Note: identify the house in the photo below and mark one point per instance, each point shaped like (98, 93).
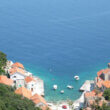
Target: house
(5, 80)
(104, 74)
(35, 85)
(18, 65)
(30, 84)
(90, 97)
(39, 101)
(18, 76)
(24, 92)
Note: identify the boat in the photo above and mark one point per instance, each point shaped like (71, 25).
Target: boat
(69, 86)
(62, 91)
(55, 87)
(76, 77)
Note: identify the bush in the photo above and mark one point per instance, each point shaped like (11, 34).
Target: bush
(11, 101)
(3, 61)
(107, 94)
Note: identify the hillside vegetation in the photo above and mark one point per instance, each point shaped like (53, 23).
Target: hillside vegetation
(11, 101)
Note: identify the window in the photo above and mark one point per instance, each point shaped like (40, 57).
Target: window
(15, 82)
(31, 89)
(14, 76)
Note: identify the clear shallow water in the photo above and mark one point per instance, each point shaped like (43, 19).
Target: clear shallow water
(57, 39)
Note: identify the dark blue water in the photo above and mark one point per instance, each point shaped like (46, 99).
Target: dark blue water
(57, 39)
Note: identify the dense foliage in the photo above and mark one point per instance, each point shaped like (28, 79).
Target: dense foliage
(97, 107)
(107, 94)
(3, 61)
(11, 101)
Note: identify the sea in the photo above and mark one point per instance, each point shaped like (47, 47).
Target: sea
(56, 40)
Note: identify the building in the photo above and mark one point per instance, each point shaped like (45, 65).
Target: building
(90, 98)
(30, 84)
(18, 76)
(104, 74)
(18, 65)
(39, 101)
(24, 92)
(5, 80)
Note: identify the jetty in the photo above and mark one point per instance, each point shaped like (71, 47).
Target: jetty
(87, 86)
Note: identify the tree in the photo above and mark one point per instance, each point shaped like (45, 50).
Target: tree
(107, 94)
(11, 101)
(3, 61)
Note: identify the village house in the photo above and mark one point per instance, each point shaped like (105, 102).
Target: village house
(18, 65)
(5, 80)
(90, 98)
(18, 76)
(35, 85)
(24, 92)
(17, 73)
(102, 82)
(30, 84)
(37, 99)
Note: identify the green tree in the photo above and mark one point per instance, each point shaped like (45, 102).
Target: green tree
(3, 61)
(11, 101)
(107, 94)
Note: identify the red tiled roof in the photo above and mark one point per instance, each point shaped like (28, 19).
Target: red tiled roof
(17, 64)
(106, 84)
(15, 69)
(5, 80)
(24, 92)
(90, 94)
(37, 99)
(29, 79)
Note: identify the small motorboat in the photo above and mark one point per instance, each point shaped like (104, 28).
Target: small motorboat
(62, 91)
(55, 87)
(69, 86)
(76, 77)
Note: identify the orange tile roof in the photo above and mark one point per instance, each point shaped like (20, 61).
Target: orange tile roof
(37, 99)
(17, 64)
(15, 69)
(5, 80)
(90, 94)
(29, 79)
(93, 94)
(106, 84)
(24, 92)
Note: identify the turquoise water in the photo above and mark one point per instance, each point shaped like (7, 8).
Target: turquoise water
(57, 39)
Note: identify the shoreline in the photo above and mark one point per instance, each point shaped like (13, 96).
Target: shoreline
(58, 104)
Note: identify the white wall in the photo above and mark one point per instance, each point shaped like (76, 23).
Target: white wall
(17, 76)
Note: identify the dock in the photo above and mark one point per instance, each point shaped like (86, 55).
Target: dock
(87, 86)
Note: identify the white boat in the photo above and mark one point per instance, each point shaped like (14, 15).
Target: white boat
(76, 77)
(69, 86)
(62, 91)
(55, 87)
